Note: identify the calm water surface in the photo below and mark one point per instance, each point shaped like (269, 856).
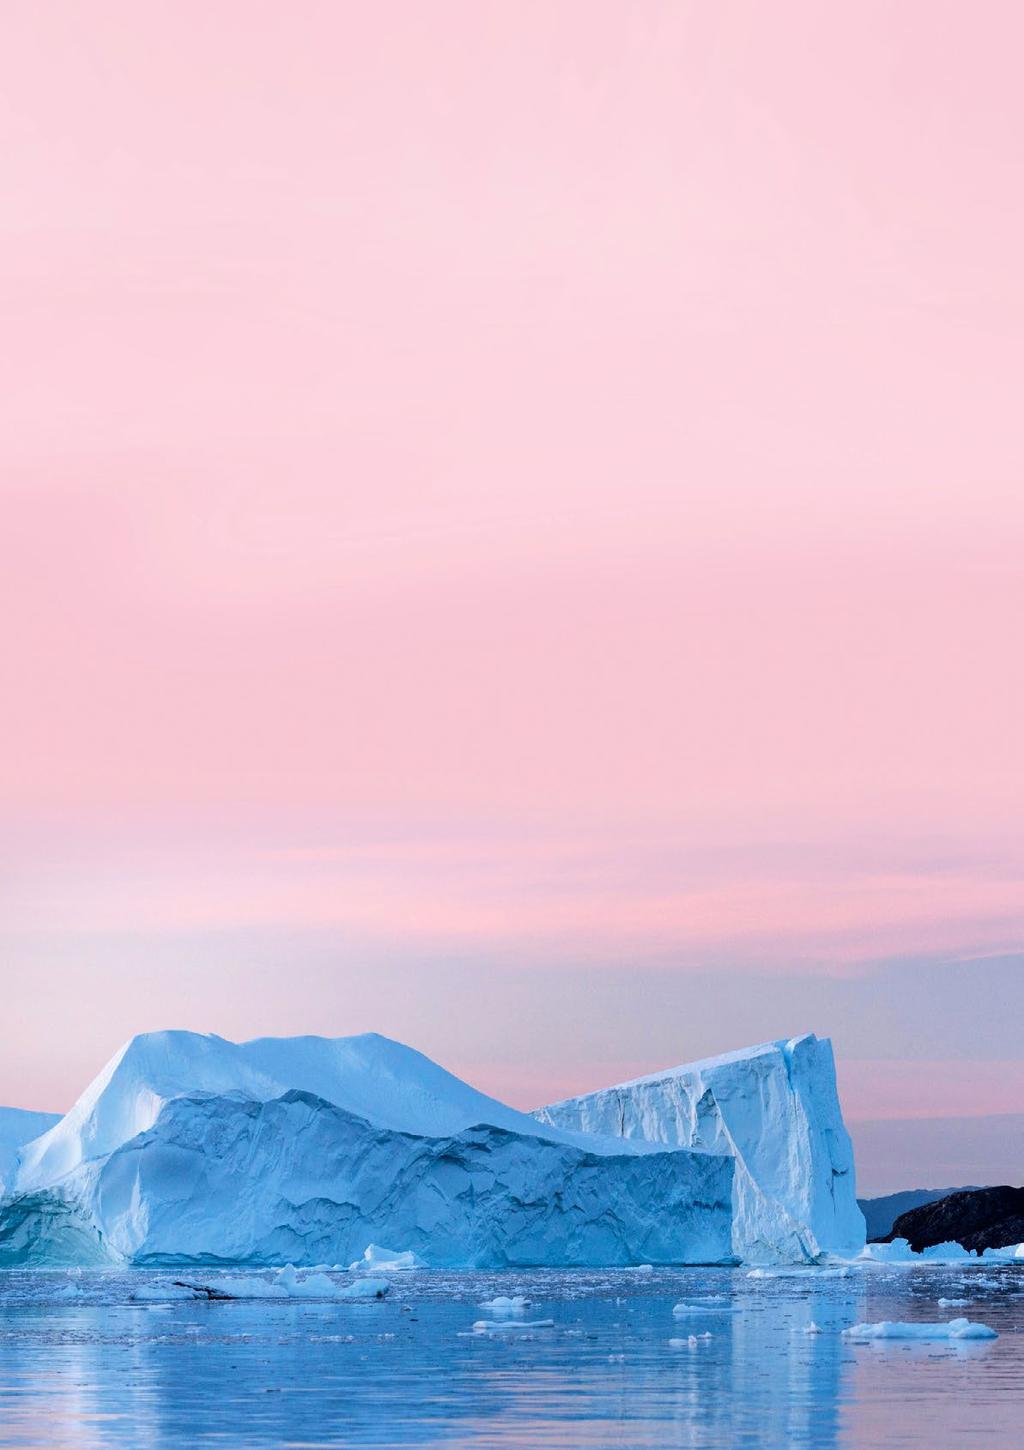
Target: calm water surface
(82, 1366)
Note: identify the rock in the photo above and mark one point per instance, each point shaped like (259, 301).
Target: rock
(881, 1213)
(977, 1218)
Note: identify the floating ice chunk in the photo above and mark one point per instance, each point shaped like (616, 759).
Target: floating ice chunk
(66, 1291)
(690, 1342)
(681, 1310)
(370, 1288)
(900, 1252)
(389, 1261)
(286, 1284)
(510, 1326)
(841, 1271)
(161, 1293)
(812, 1328)
(241, 1287)
(1012, 1253)
(891, 1329)
(502, 1305)
(951, 1303)
(645, 1268)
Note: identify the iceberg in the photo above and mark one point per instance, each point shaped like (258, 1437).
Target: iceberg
(774, 1109)
(891, 1329)
(190, 1150)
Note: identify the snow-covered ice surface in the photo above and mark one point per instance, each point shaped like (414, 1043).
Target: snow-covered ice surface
(19, 1126)
(774, 1107)
(596, 1358)
(369, 1076)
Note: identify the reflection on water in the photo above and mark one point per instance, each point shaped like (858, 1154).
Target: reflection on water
(80, 1365)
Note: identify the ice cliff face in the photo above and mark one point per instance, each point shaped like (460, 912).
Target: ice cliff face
(190, 1148)
(775, 1108)
(299, 1180)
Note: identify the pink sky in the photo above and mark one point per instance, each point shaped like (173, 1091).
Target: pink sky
(524, 483)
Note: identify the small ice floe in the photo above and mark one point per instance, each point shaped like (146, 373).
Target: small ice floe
(840, 1271)
(644, 1269)
(682, 1310)
(952, 1303)
(812, 1328)
(900, 1252)
(891, 1329)
(510, 1326)
(387, 1261)
(286, 1284)
(501, 1306)
(690, 1342)
(369, 1288)
(67, 1291)
(162, 1293)
(1012, 1253)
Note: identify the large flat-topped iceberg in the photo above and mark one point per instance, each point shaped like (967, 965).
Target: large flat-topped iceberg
(775, 1108)
(194, 1149)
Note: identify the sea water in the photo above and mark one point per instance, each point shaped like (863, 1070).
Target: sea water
(752, 1360)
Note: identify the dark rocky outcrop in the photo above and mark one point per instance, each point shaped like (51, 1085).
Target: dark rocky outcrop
(881, 1213)
(977, 1218)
